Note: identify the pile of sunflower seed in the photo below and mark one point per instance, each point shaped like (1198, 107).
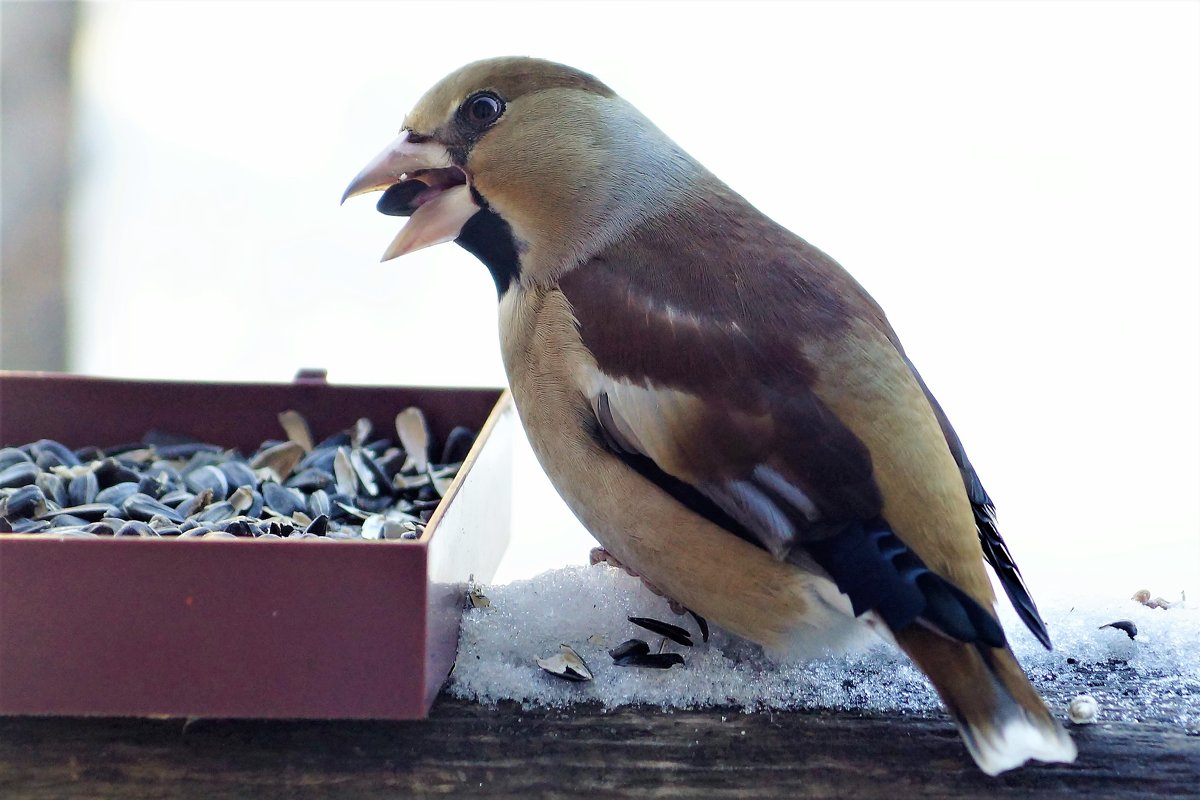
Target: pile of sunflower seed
(352, 485)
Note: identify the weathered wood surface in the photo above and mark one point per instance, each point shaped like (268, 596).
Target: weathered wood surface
(497, 752)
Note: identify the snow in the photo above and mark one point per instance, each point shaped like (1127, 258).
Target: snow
(1155, 676)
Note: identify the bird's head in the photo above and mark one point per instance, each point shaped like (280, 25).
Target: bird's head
(530, 165)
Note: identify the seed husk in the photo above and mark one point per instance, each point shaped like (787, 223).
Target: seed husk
(243, 498)
(279, 460)
(195, 504)
(566, 664)
(344, 472)
(296, 428)
(414, 436)
(366, 472)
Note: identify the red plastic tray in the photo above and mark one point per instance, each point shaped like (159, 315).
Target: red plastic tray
(241, 628)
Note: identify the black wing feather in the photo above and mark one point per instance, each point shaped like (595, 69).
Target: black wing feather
(994, 549)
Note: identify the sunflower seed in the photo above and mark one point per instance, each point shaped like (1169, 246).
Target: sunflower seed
(215, 512)
(283, 500)
(632, 647)
(92, 512)
(348, 486)
(153, 486)
(310, 480)
(208, 478)
(28, 501)
(318, 504)
(238, 527)
(11, 455)
(185, 450)
(117, 493)
(68, 521)
(83, 489)
(23, 473)
(238, 474)
(47, 453)
(458, 444)
(54, 487)
(672, 632)
(176, 498)
(651, 660)
(143, 507)
(1122, 625)
(137, 528)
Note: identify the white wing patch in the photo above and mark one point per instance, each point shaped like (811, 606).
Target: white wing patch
(746, 503)
(653, 421)
(768, 477)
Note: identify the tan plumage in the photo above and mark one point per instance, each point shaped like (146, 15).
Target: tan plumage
(724, 407)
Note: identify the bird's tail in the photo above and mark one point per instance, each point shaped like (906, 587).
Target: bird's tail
(1000, 716)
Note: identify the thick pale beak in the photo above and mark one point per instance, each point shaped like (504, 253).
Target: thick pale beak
(422, 183)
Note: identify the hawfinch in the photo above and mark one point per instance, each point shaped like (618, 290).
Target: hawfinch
(721, 404)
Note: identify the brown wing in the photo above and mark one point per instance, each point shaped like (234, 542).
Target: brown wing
(760, 379)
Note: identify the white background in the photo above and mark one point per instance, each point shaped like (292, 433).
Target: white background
(1017, 183)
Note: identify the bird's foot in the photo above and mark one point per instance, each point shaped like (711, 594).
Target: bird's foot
(599, 555)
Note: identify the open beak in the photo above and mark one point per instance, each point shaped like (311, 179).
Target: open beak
(420, 182)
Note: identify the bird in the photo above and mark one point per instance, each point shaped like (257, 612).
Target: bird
(724, 408)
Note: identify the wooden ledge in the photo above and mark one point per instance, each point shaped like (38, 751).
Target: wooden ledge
(579, 753)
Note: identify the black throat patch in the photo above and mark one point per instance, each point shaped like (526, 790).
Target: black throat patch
(490, 239)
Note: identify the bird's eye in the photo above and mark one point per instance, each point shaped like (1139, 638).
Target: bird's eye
(482, 109)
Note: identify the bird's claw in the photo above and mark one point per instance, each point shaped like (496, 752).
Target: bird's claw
(599, 555)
